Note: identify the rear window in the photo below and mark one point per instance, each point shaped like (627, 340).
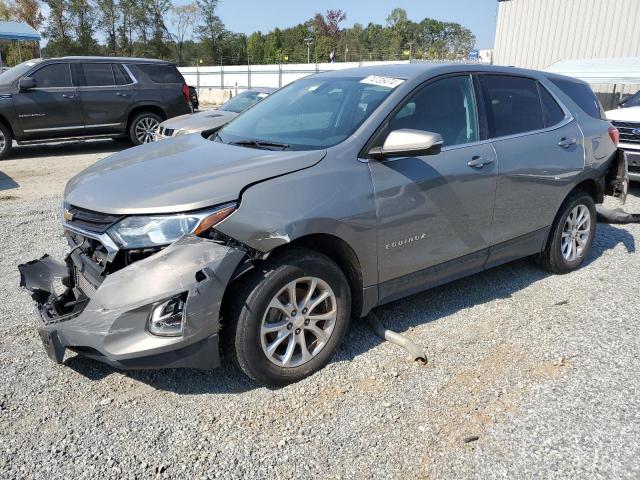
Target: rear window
(513, 105)
(582, 95)
(162, 73)
(121, 75)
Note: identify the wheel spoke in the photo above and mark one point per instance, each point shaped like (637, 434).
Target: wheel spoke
(323, 316)
(312, 288)
(288, 354)
(275, 327)
(276, 343)
(318, 300)
(306, 355)
(278, 305)
(318, 333)
(291, 289)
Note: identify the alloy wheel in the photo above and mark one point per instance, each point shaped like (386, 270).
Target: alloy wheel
(576, 233)
(145, 129)
(298, 322)
(3, 141)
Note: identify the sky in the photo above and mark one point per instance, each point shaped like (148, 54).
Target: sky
(247, 16)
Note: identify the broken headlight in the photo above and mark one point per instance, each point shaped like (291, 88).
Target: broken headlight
(157, 230)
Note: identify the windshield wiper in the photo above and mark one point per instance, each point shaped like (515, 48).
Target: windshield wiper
(260, 144)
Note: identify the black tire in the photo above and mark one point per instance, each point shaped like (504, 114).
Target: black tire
(552, 258)
(248, 304)
(137, 121)
(5, 149)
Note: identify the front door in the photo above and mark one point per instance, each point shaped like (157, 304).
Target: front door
(53, 107)
(435, 211)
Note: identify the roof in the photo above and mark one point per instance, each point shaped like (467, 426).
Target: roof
(624, 70)
(18, 31)
(418, 70)
(111, 59)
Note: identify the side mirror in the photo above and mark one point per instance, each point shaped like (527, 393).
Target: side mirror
(26, 83)
(408, 143)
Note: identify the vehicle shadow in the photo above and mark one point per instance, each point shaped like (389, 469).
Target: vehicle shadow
(63, 149)
(498, 283)
(6, 182)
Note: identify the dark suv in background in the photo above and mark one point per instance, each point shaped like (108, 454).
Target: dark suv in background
(74, 97)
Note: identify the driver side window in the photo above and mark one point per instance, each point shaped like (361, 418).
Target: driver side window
(446, 107)
(53, 75)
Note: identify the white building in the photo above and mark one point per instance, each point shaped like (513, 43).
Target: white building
(538, 33)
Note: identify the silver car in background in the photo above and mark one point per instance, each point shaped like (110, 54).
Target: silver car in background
(340, 192)
(212, 119)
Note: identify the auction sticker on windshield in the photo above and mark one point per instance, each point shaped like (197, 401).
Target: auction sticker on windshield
(388, 82)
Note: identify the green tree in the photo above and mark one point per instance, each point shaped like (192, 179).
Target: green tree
(211, 31)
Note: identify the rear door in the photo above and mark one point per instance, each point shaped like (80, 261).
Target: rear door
(435, 209)
(540, 152)
(106, 92)
(53, 107)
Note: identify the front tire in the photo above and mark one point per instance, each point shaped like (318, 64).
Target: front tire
(285, 320)
(143, 127)
(6, 141)
(571, 234)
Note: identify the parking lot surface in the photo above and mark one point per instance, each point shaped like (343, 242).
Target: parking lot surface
(530, 375)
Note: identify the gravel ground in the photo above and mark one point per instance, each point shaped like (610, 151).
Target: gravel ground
(538, 373)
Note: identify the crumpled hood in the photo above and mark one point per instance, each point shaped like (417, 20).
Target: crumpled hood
(197, 122)
(179, 174)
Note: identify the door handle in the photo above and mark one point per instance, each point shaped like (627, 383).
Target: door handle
(567, 142)
(122, 94)
(479, 162)
(69, 95)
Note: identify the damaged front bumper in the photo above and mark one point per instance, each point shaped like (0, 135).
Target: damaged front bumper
(111, 323)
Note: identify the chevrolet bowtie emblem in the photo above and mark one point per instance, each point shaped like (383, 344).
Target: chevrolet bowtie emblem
(68, 216)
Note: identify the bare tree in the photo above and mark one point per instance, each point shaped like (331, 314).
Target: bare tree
(183, 19)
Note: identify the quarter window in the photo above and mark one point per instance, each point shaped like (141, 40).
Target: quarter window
(446, 107)
(121, 75)
(582, 95)
(55, 75)
(98, 75)
(513, 105)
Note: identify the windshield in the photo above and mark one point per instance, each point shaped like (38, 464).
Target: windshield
(310, 114)
(633, 101)
(18, 71)
(241, 102)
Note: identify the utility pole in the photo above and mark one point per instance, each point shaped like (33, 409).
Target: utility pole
(308, 41)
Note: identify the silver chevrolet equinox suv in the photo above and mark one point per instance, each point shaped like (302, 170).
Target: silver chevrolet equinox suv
(338, 193)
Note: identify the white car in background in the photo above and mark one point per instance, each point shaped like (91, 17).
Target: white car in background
(210, 119)
(626, 118)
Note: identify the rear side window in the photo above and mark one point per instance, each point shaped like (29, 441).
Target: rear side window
(53, 75)
(162, 73)
(513, 105)
(582, 95)
(551, 111)
(98, 75)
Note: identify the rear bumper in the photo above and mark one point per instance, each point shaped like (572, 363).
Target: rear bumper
(112, 326)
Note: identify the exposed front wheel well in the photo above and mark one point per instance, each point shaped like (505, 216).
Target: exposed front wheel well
(7, 124)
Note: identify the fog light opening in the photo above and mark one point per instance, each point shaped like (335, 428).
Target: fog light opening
(167, 318)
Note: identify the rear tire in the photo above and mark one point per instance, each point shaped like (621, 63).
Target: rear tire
(571, 234)
(143, 127)
(6, 141)
(282, 344)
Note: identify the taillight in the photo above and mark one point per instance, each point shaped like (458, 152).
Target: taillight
(615, 135)
(185, 92)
